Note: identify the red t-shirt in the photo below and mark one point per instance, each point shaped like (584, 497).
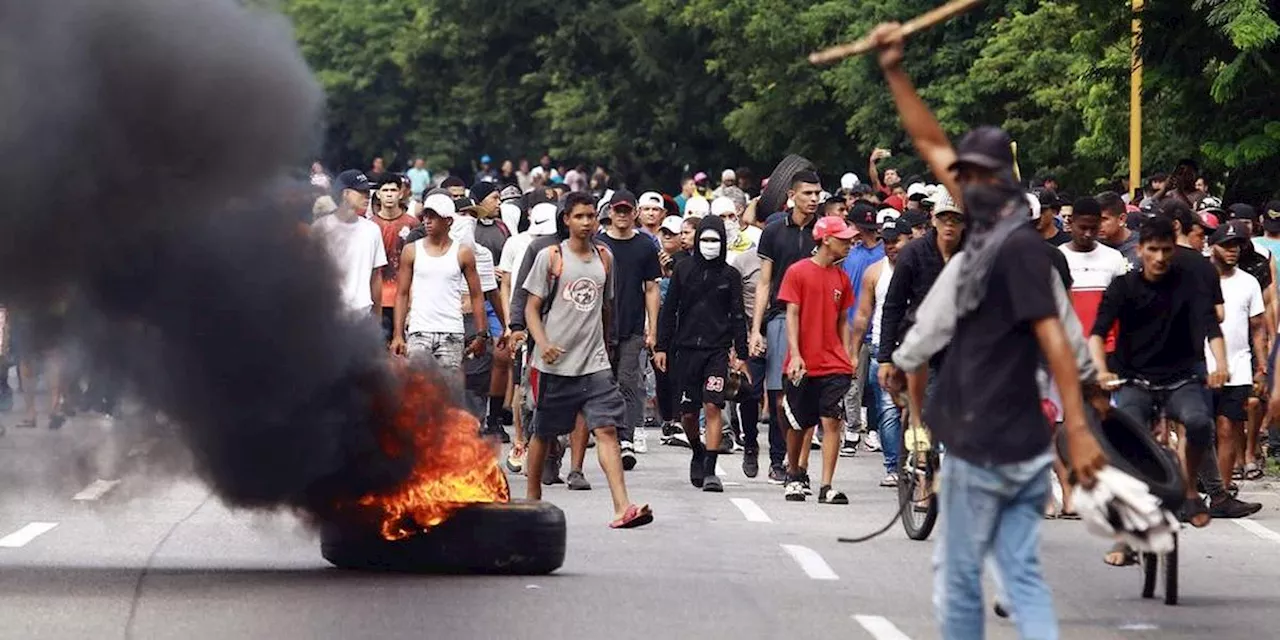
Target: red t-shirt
(825, 296)
(393, 234)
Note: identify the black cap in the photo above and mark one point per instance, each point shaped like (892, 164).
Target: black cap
(1049, 199)
(1241, 211)
(894, 228)
(912, 219)
(987, 147)
(1228, 233)
(1271, 217)
(482, 189)
(464, 204)
(863, 215)
(623, 197)
(354, 180)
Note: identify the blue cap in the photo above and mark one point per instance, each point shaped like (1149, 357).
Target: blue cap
(485, 159)
(354, 180)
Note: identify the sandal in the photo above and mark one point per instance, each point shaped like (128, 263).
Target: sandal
(1237, 474)
(1121, 555)
(1252, 471)
(634, 516)
(1194, 509)
(1069, 515)
(827, 495)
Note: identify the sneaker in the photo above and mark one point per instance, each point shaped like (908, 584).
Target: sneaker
(851, 437)
(872, 441)
(578, 482)
(628, 456)
(777, 475)
(712, 484)
(551, 473)
(750, 463)
(804, 481)
(726, 444)
(515, 464)
(1229, 508)
(848, 449)
(827, 495)
(816, 442)
(890, 480)
(794, 491)
(696, 471)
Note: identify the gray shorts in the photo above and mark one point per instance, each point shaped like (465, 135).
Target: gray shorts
(559, 399)
(775, 352)
(446, 348)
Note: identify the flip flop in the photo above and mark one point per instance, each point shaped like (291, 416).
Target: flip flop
(1128, 557)
(634, 516)
(1252, 471)
(1069, 515)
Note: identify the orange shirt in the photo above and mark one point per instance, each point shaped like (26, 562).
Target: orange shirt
(393, 234)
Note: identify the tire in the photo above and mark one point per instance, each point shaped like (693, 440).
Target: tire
(774, 197)
(1150, 563)
(917, 524)
(517, 538)
(1130, 448)
(1171, 574)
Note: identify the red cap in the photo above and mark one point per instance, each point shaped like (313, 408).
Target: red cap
(895, 202)
(833, 227)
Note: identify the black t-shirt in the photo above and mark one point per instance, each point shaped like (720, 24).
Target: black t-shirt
(1256, 265)
(1163, 325)
(784, 243)
(1205, 275)
(986, 408)
(635, 263)
(1060, 238)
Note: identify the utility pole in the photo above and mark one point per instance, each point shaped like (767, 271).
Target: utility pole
(1135, 100)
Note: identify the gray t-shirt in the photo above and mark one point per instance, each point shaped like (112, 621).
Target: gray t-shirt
(574, 321)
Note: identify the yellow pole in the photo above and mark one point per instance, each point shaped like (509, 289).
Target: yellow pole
(1135, 101)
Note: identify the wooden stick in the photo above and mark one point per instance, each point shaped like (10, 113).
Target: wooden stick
(918, 23)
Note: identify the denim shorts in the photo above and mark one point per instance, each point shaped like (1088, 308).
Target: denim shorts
(775, 352)
(446, 348)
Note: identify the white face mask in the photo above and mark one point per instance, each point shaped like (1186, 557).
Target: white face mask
(732, 230)
(709, 245)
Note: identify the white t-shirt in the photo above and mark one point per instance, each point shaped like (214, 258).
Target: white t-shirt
(753, 233)
(484, 269)
(356, 248)
(1241, 300)
(513, 256)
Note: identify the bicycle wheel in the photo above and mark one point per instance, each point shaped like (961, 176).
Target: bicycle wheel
(916, 497)
(1150, 562)
(1171, 574)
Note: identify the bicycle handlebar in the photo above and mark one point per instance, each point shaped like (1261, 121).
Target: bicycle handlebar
(1156, 388)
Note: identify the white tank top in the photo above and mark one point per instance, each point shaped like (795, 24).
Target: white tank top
(882, 290)
(435, 296)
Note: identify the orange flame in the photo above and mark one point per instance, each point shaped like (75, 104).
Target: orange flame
(454, 467)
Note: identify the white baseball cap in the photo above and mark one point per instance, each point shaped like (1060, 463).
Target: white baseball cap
(886, 214)
(697, 207)
(651, 199)
(728, 174)
(722, 205)
(672, 224)
(848, 181)
(542, 219)
(917, 190)
(1035, 206)
(441, 204)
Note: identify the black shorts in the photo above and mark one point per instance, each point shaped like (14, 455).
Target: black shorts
(701, 376)
(559, 399)
(518, 364)
(1229, 402)
(805, 404)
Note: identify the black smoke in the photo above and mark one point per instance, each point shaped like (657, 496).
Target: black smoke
(142, 143)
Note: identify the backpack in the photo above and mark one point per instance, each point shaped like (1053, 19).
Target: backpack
(555, 268)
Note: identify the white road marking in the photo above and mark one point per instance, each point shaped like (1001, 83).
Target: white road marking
(96, 489)
(1258, 529)
(751, 510)
(1138, 626)
(880, 628)
(22, 536)
(732, 484)
(812, 563)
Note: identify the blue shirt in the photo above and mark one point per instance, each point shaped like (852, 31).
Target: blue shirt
(860, 257)
(419, 179)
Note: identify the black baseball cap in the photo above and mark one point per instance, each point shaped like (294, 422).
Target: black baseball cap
(987, 147)
(1228, 233)
(1241, 211)
(894, 228)
(464, 204)
(863, 215)
(1271, 217)
(912, 219)
(1049, 199)
(482, 189)
(354, 180)
(623, 197)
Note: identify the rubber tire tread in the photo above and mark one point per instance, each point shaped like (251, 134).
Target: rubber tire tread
(774, 196)
(1159, 468)
(907, 480)
(517, 538)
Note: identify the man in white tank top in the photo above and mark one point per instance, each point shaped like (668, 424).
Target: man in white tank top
(434, 273)
(875, 286)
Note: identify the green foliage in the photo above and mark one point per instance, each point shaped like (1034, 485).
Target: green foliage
(653, 88)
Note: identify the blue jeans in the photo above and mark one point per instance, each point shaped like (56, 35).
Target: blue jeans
(992, 510)
(887, 418)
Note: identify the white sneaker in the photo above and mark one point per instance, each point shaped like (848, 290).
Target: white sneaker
(890, 480)
(873, 441)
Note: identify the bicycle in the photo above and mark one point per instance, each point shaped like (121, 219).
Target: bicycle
(1164, 434)
(919, 468)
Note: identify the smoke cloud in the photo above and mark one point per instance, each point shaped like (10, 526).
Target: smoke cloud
(142, 144)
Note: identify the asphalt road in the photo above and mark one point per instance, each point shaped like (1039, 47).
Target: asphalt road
(155, 556)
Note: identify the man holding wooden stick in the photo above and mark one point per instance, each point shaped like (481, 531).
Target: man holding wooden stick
(986, 407)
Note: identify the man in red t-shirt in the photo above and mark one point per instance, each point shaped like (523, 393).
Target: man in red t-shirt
(818, 368)
(396, 224)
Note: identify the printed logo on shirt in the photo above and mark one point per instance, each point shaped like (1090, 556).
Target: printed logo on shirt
(583, 293)
(836, 295)
(715, 384)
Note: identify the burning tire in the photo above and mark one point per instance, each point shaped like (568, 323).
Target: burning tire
(518, 538)
(774, 197)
